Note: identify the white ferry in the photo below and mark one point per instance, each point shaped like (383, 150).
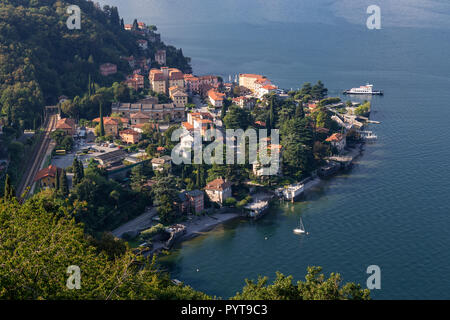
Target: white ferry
(367, 89)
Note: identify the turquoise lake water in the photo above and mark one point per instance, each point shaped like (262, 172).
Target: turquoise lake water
(392, 209)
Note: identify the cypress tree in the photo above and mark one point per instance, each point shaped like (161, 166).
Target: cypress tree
(76, 172)
(102, 127)
(223, 112)
(89, 85)
(57, 178)
(9, 191)
(271, 123)
(81, 169)
(63, 184)
(299, 113)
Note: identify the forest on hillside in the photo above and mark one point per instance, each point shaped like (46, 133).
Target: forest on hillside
(41, 59)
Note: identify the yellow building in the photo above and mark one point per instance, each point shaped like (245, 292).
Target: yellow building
(163, 79)
(178, 96)
(47, 177)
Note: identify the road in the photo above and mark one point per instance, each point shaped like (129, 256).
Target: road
(37, 157)
(140, 223)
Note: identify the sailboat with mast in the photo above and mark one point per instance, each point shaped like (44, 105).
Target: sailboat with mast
(301, 228)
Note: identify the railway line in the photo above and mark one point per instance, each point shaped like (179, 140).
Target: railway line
(37, 157)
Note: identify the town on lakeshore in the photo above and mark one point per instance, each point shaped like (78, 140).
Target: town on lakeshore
(129, 142)
(90, 142)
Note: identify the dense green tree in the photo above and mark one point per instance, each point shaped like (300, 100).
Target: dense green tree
(9, 192)
(297, 141)
(102, 126)
(316, 287)
(237, 118)
(108, 271)
(63, 185)
(319, 91)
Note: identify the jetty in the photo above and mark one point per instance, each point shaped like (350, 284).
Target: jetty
(290, 192)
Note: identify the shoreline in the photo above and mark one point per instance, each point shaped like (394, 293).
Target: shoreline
(196, 227)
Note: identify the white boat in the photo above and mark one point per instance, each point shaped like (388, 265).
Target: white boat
(301, 228)
(367, 89)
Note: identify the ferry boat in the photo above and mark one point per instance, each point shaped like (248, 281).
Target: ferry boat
(367, 89)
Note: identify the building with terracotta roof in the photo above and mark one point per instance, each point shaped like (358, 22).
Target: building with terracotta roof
(139, 118)
(216, 98)
(266, 89)
(201, 121)
(107, 69)
(252, 81)
(128, 27)
(66, 125)
(218, 190)
(178, 96)
(47, 177)
(163, 79)
(244, 102)
(130, 136)
(337, 140)
(192, 201)
(135, 81)
(191, 83)
(112, 125)
(154, 111)
(160, 57)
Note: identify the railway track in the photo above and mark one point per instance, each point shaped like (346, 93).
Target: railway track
(38, 156)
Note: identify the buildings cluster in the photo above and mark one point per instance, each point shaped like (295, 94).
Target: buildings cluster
(259, 85)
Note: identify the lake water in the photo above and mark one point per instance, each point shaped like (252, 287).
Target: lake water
(390, 210)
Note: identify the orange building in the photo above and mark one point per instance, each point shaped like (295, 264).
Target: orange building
(66, 125)
(130, 136)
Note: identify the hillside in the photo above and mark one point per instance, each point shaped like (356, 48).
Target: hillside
(41, 59)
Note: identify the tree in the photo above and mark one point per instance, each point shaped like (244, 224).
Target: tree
(102, 126)
(63, 186)
(316, 287)
(297, 141)
(165, 193)
(78, 171)
(9, 193)
(237, 118)
(319, 91)
(135, 26)
(57, 180)
(299, 112)
(42, 230)
(138, 178)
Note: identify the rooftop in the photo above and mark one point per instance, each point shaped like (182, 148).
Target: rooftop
(218, 185)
